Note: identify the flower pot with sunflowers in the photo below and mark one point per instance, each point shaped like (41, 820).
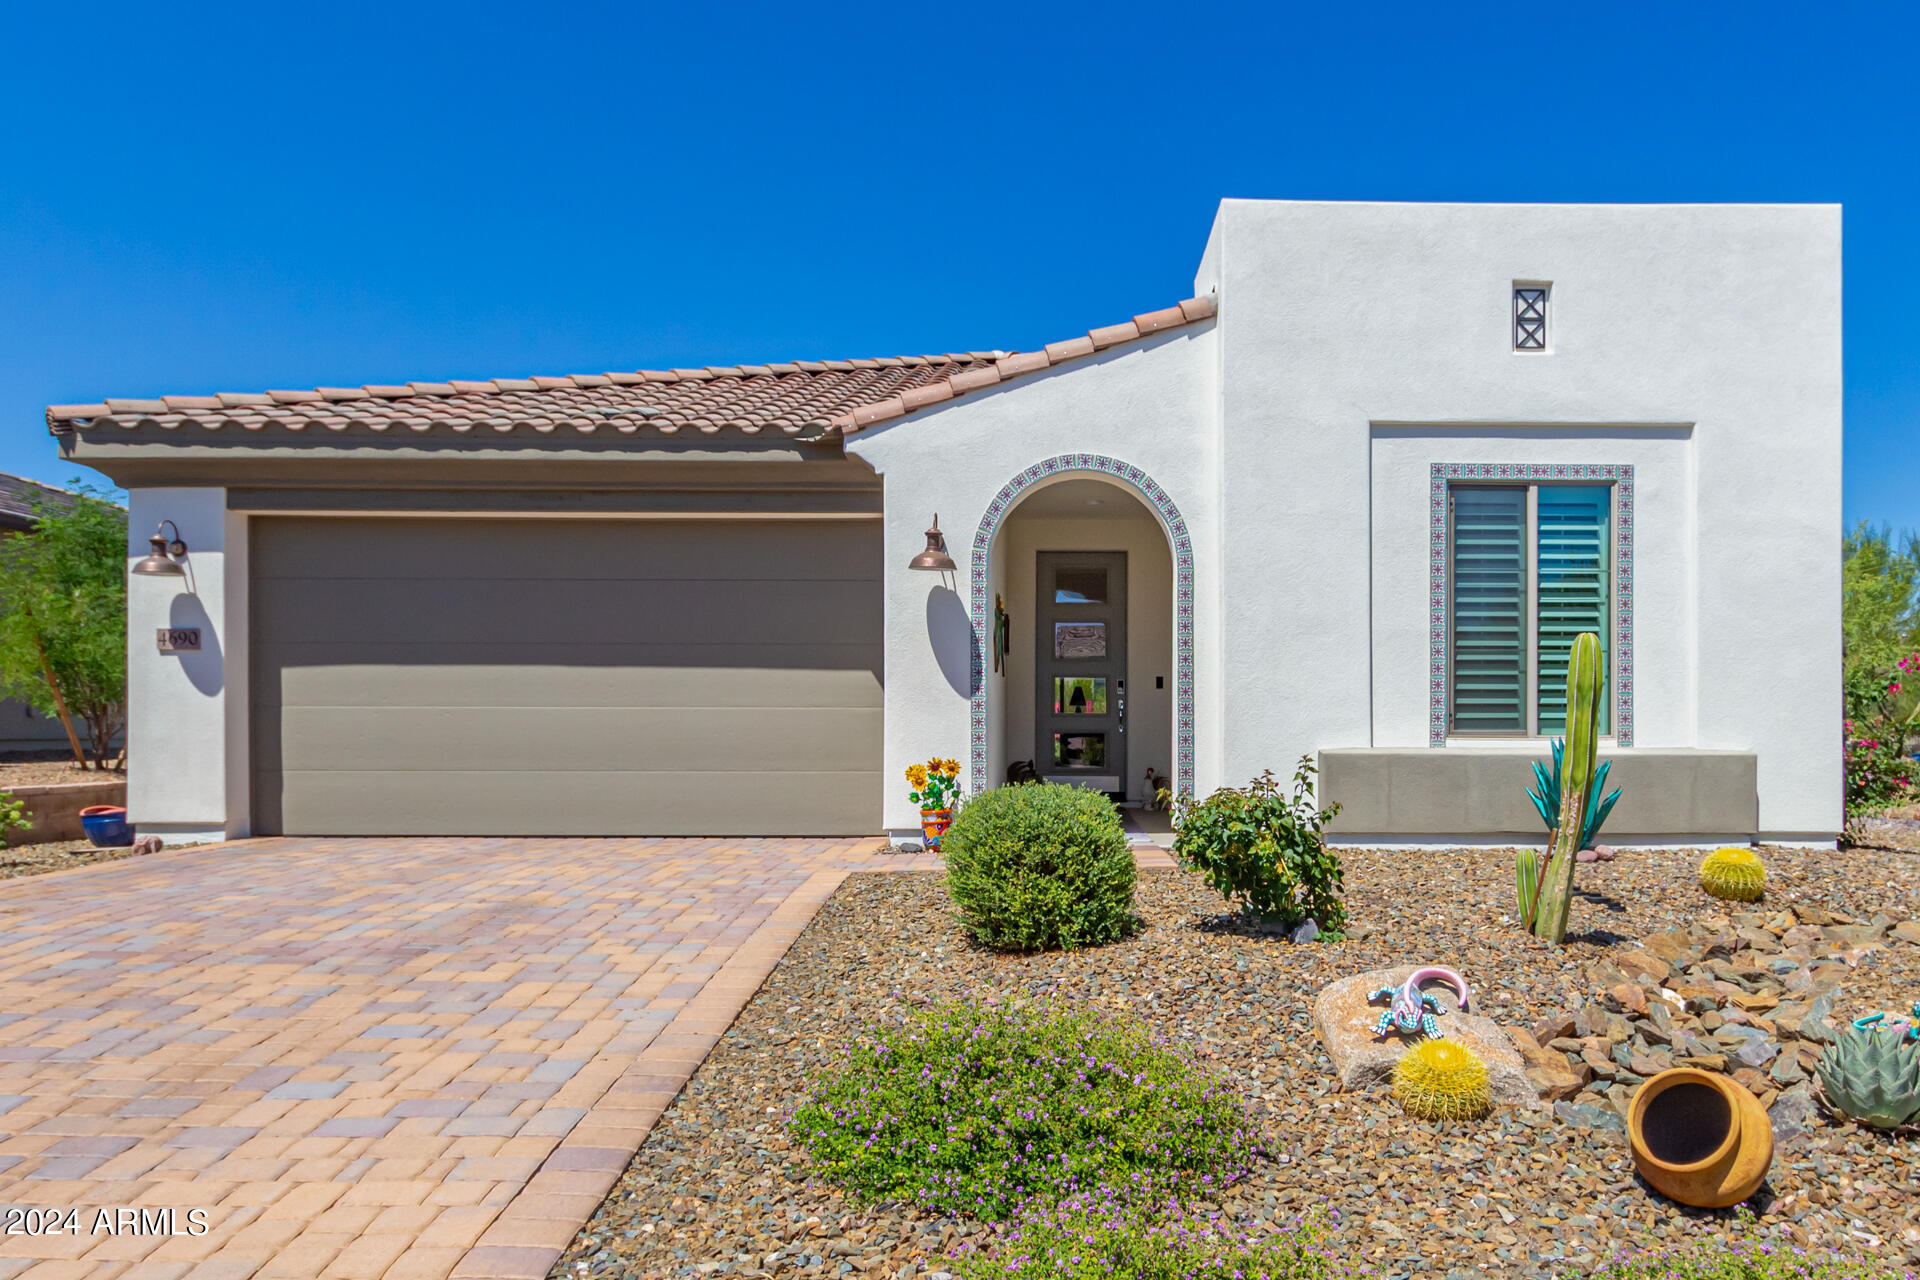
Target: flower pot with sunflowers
(935, 784)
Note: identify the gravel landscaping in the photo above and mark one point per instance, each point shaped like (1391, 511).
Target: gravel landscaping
(41, 773)
(53, 855)
(719, 1188)
(1893, 830)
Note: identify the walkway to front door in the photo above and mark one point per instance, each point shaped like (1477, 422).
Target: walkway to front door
(374, 1059)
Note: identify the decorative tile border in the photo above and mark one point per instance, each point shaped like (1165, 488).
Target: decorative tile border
(997, 510)
(1622, 477)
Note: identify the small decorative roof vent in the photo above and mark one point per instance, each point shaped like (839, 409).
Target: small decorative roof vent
(1530, 317)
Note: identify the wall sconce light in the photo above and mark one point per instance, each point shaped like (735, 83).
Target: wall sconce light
(935, 557)
(164, 560)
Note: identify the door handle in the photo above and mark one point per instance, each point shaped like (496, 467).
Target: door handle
(1120, 706)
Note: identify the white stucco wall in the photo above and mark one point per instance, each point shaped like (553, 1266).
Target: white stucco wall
(1337, 318)
(1149, 404)
(1665, 553)
(186, 713)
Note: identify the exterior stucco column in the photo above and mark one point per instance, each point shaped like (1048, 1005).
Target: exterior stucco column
(187, 766)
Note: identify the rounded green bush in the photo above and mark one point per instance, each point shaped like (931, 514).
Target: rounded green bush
(975, 1109)
(1038, 866)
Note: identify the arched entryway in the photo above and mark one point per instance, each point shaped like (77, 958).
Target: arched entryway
(1078, 515)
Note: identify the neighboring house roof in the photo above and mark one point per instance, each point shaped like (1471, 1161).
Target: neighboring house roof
(17, 495)
(820, 397)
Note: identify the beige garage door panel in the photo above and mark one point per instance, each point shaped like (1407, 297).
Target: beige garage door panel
(695, 616)
(436, 550)
(583, 804)
(527, 677)
(379, 681)
(503, 739)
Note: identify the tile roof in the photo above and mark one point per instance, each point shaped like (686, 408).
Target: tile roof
(817, 397)
(17, 495)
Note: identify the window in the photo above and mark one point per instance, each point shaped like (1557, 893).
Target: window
(1073, 584)
(1530, 317)
(1529, 569)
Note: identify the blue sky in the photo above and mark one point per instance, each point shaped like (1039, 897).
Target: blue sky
(199, 199)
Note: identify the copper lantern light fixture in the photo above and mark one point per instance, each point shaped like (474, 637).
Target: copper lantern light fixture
(164, 560)
(935, 557)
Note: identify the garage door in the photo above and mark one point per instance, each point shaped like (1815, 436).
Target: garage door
(566, 677)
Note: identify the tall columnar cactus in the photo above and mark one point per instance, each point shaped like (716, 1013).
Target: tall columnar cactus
(1577, 779)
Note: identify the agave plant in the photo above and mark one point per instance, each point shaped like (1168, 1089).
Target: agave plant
(1872, 1076)
(1547, 798)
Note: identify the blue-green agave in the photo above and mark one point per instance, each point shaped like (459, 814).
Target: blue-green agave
(1547, 798)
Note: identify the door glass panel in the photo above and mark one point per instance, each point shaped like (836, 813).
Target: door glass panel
(1079, 639)
(1080, 750)
(1080, 585)
(1079, 696)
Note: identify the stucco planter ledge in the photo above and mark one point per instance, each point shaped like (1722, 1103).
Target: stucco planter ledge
(1674, 793)
(1345, 1020)
(54, 808)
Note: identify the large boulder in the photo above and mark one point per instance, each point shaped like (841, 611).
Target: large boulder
(1364, 1060)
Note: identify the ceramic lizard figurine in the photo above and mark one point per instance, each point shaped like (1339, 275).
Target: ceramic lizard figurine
(1412, 1010)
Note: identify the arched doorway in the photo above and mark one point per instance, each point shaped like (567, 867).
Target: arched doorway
(1089, 517)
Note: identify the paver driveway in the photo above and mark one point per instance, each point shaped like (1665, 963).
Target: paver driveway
(375, 1059)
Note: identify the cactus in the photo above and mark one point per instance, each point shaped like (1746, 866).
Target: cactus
(1576, 782)
(1734, 874)
(1872, 1077)
(1526, 884)
(1442, 1080)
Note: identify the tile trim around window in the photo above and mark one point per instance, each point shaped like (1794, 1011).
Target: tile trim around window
(1622, 477)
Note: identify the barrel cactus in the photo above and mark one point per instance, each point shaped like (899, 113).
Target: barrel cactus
(1872, 1076)
(1734, 874)
(1442, 1080)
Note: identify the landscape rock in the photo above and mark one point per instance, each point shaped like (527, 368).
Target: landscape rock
(1307, 931)
(1583, 1115)
(1362, 1060)
(1794, 1114)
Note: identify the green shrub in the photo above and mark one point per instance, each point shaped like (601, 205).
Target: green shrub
(1745, 1259)
(1097, 1235)
(1264, 850)
(13, 813)
(975, 1109)
(1040, 865)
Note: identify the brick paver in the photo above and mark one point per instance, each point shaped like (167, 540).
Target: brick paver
(370, 1059)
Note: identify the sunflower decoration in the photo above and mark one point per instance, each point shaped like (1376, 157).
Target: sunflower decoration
(934, 783)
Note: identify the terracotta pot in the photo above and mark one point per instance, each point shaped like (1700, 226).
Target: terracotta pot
(934, 824)
(1699, 1138)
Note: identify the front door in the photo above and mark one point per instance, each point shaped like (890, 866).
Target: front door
(1080, 659)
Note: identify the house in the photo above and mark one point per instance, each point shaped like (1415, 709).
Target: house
(1349, 500)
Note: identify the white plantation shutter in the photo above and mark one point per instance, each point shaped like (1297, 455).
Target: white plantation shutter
(1573, 555)
(1488, 662)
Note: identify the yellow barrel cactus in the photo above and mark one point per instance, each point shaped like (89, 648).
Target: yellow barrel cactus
(1442, 1080)
(1734, 874)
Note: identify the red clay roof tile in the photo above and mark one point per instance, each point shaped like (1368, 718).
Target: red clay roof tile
(821, 397)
